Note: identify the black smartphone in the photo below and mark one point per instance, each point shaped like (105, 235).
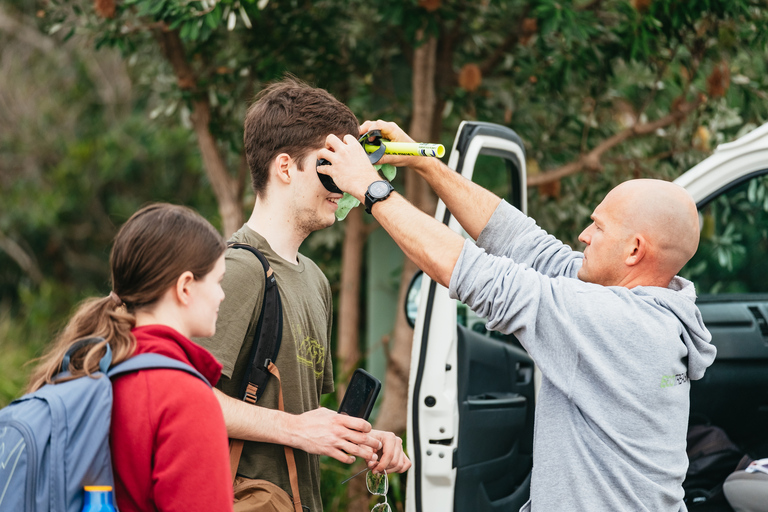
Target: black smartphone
(361, 394)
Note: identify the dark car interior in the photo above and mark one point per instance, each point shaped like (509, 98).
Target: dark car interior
(730, 271)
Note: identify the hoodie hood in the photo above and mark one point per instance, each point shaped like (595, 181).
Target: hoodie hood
(680, 298)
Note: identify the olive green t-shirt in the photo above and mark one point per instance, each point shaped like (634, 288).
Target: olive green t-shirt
(304, 359)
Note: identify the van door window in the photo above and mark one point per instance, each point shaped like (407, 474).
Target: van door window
(733, 251)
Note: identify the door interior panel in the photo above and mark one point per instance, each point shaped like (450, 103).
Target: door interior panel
(496, 397)
(739, 328)
(734, 396)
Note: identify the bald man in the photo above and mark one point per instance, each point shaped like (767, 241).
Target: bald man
(616, 334)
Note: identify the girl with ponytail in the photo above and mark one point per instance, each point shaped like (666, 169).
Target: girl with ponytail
(168, 439)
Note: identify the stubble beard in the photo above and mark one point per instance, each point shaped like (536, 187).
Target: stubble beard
(308, 221)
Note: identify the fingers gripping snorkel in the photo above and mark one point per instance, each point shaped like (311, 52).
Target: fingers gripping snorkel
(376, 148)
(371, 139)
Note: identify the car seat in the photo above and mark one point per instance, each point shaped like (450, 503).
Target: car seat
(747, 490)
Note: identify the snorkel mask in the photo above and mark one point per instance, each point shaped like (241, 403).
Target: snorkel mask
(371, 142)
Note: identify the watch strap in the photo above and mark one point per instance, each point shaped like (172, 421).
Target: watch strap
(371, 200)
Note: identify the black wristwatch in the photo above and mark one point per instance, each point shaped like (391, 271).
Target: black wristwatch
(377, 191)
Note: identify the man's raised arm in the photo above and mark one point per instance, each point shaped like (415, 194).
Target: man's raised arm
(471, 204)
(432, 246)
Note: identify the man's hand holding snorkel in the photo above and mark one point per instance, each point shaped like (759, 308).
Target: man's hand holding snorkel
(432, 246)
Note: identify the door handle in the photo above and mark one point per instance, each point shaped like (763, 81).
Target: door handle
(496, 401)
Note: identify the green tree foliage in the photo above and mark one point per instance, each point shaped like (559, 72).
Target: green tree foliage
(115, 103)
(585, 84)
(734, 242)
(77, 158)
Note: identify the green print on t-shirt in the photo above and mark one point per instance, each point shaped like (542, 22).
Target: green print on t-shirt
(311, 354)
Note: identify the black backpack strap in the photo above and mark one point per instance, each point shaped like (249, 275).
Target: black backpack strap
(269, 332)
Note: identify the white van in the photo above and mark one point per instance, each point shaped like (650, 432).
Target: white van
(472, 392)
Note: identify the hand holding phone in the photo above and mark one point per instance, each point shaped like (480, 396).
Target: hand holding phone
(361, 394)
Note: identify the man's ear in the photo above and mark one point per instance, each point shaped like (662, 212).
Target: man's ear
(284, 166)
(182, 290)
(638, 248)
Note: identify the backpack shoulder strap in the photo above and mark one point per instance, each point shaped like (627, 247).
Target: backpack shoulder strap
(152, 361)
(266, 345)
(269, 332)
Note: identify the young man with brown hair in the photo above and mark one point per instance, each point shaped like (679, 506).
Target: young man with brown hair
(284, 129)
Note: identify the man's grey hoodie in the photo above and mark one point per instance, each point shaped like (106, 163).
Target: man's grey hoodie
(616, 364)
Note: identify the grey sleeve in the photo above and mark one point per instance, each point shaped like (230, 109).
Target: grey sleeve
(243, 286)
(513, 234)
(516, 299)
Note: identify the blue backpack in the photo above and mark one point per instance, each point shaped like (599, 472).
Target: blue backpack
(55, 441)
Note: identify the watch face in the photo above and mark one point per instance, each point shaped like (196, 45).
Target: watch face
(378, 189)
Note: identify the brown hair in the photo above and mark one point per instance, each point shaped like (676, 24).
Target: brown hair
(152, 249)
(291, 117)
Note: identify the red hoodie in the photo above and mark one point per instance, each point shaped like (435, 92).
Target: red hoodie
(168, 439)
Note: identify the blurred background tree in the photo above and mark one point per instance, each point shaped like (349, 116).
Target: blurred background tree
(109, 104)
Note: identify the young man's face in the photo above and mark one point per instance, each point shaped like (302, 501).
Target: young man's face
(314, 206)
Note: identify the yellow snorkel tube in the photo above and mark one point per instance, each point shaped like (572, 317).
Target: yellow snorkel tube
(407, 148)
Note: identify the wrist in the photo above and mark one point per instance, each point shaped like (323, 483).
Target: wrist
(364, 182)
(286, 428)
(433, 166)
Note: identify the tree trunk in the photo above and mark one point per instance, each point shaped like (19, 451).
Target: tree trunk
(348, 346)
(392, 415)
(393, 412)
(24, 260)
(224, 186)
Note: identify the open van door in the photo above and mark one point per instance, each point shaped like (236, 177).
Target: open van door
(730, 271)
(471, 393)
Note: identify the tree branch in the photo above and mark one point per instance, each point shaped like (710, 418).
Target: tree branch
(224, 186)
(592, 161)
(445, 76)
(24, 30)
(132, 29)
(658, 156)
(243, 172)
(509, 42)
(23, 260)
(173, 49)
(590, 6)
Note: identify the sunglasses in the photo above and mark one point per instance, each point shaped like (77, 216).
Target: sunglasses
(378, 485)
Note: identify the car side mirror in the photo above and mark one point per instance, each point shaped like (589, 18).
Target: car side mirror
(412, 298)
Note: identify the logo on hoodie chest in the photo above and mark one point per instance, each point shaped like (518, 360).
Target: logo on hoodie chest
(668, 381)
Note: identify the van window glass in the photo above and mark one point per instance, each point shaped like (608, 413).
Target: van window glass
(491, 172)
(733, 251)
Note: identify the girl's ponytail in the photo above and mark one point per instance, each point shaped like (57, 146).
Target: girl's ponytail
(105, 318)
